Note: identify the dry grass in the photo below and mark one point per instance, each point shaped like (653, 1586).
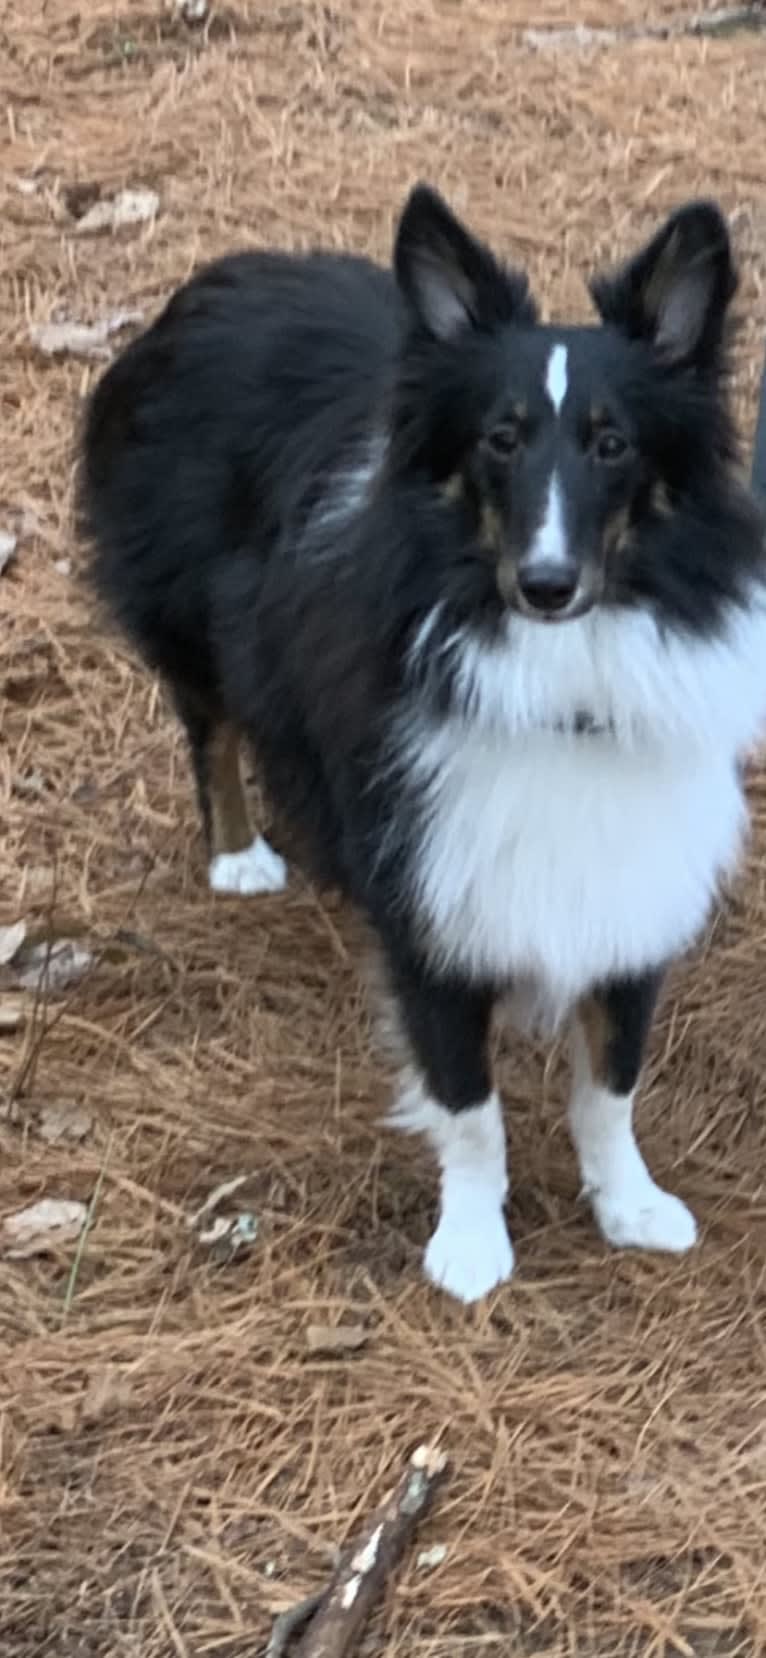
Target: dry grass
(176, 1466)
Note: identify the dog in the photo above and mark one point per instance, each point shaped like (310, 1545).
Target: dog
(487, 598)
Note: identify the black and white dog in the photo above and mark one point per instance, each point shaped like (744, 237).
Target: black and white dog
(488, 599)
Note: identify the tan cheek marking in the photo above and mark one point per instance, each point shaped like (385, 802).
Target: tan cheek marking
(229, 824)
(617, 532)
(660, 499)
(454, 487)
(490, 528)
(506, 579)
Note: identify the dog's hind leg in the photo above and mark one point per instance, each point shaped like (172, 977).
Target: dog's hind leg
(238, 861)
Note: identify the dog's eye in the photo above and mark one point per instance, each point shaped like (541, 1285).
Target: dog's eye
(609, 445)
(503, 439)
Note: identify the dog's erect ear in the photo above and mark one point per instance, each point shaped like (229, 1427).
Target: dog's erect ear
(675, 292)
(449, 278)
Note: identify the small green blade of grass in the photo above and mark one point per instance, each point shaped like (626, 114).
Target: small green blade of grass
(81, 1241)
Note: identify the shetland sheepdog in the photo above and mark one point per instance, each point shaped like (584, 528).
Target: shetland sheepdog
(487, 599)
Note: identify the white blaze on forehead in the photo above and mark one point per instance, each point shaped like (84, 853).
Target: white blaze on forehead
(549, 545)
(556, 376)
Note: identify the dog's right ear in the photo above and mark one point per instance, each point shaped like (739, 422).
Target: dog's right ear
(451, 280)
(675, 292)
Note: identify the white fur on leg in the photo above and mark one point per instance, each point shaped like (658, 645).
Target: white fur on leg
(630, 1209)
(257, 869)
(470, 1251)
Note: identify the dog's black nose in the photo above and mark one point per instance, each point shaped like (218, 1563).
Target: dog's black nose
(548, 587)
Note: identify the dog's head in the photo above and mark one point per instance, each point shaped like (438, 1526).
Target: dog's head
(591, 465)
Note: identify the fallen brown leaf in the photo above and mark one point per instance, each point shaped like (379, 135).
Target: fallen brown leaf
(64, 1122)
(11, 940)
(81, 339)
(12, 1015)
(8, 545)
(129, 207)
(42, 1227)
(337, 1338)
(52, 966)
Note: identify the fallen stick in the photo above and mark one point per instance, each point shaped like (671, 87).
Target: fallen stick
(333, 1620)
(287, 1624)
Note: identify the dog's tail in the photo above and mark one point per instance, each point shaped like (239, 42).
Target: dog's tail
(758, 474)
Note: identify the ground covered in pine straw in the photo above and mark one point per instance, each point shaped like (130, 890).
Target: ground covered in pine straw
(180, 1452)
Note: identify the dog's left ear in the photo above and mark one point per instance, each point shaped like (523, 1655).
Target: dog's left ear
(450, 280)
(676, 291)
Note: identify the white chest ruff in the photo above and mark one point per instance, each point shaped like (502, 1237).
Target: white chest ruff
(562, 861)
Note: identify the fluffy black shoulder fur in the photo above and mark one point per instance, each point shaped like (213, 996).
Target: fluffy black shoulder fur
(310, 466)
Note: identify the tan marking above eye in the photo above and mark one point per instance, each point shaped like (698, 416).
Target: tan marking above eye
(602, 424)
(505, 577)
(660, 499)
(490, 528)
(617, 531)
(514, 421)
(452, 488)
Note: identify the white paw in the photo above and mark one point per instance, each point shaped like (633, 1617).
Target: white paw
(647, 1219)
(257, 869)
(470, 1257)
